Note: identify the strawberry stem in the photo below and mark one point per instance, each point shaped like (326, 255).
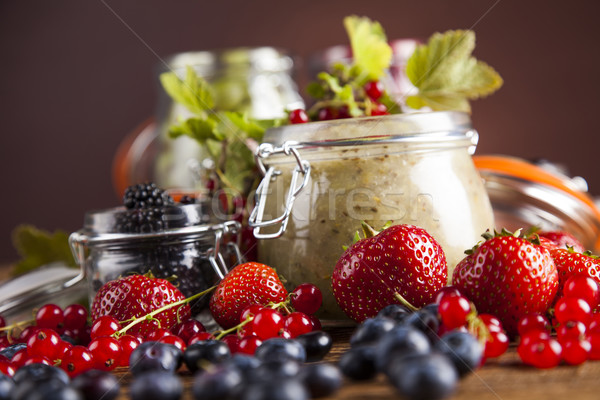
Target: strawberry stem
(150, 316)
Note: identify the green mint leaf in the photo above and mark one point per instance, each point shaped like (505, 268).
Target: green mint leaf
(245, 125)
(447, 75)
(193, 92)
(37, 247)
(371, 52)
(198, 129)
(315, 90)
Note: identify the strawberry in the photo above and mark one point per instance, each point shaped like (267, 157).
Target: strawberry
(570, 262)
(509, 277)
(246, 284)
(137, 295)
(401, 263)
(562, 240)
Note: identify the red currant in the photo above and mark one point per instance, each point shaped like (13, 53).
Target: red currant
(185, 330)
(267, 323)
(572, 309)
(250, 311)
(326, 114)
(496, 344)
(379, 109)
(316, 323)
(75, 316)
(544, 353)
(490, 320)
(18, 359)
(233, 342)
(248, 345)
(534, 336)
(576, 351)
(128, 344)
(173, 340)
(7, 368)
(106, 352)
(446, 291)
(454, 310)
(593, 338)
(105, 325)
(594, 326)
(45, 342)
(200, 336)
(50, 316)
(157, 334)
(306, 298)
(77, 360)
(570, 330)
(533, 322)
(374, 89)
(37, 360)
(298, 116)
(27, 333)
(583, 287)
(297, 323)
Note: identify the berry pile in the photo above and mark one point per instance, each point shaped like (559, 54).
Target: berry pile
(144, 209)
(424, 353)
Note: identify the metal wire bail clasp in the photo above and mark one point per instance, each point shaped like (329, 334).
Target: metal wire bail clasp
(270, 175)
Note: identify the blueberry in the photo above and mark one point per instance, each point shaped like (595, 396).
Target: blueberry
(40, 372)
(428, 376)
(358, 363)
(244, 363)
(59, 393)
(154, 356)
(29, 389)
(10, 351)
(275, 369)
(425, 320)
(222, 382)
(321, 379)
(278, 349)
(7, 384)
(400, 341)
(288, 389)
(156, 385)
(97, 385)
(205, 352)
(463, 349)
(396, 312)
(316, 343)
(371, 330)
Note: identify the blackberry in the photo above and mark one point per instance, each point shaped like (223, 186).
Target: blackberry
(140, 221)
(145, 195)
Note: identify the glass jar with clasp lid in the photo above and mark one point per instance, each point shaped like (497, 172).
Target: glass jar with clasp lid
(192, 248)
(322, 179)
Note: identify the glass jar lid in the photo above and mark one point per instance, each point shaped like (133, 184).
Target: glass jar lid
(427, 127)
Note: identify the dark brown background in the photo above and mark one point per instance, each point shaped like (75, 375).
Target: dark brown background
(77, 76)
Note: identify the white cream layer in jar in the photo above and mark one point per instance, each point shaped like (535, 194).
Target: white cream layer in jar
(376, 170)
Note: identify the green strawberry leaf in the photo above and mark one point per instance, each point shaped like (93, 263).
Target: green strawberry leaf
(447, 75)
(370, 50)
(193, 92)
(38, 247)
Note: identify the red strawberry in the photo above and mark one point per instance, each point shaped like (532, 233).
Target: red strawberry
(138, 295)
(569, 262)
(560, 240)
(401, 261)
(509, 277)
(246, 284)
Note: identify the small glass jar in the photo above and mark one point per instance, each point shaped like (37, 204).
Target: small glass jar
(192, 249)
(323, 178)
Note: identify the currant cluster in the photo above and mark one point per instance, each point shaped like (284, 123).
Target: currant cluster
(424, 353)
(576, 328)
(289, 319)
(368, 96)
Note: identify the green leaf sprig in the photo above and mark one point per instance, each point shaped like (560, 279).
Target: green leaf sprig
(38, 247)
(447, 75)
(225, 134)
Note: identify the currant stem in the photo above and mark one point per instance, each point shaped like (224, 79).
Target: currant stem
(405, 302)
(225, 332)
(150, 316)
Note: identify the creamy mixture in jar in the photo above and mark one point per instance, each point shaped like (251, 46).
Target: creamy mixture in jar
(393, 169)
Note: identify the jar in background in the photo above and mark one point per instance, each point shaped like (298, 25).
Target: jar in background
(257, 80)
(323, 178)
(524, 194)
(192, 247)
